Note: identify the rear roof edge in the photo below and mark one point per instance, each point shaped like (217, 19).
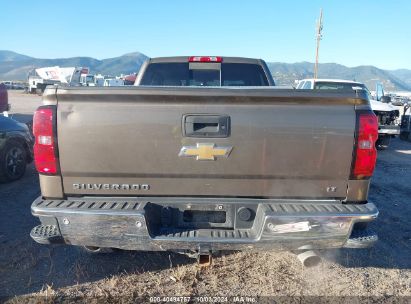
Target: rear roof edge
(225, 59)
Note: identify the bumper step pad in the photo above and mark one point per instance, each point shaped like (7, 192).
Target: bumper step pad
(361, 239)
(46, 234)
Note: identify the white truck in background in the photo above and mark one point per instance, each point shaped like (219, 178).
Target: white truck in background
(99, 80)
(87, 80)
(388, 115)
(113, 82)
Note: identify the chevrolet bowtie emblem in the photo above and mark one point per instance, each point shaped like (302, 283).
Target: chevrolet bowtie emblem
(205, 151)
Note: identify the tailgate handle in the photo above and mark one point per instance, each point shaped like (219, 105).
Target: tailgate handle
(206, 125)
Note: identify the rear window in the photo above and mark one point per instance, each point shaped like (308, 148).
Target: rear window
(180, 74)
(204, 77)
(240, 74)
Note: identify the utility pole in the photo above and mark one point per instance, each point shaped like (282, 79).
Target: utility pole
(319, 36)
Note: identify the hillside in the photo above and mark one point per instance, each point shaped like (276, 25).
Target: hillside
(403, 74)
(286, 73)
(14, 66)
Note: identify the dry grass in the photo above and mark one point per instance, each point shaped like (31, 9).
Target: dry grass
(46, 295)
(236, 274)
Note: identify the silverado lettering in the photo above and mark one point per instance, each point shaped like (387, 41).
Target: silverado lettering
(111, 187)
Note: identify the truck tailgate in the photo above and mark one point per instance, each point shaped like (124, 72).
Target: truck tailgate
(285, 144)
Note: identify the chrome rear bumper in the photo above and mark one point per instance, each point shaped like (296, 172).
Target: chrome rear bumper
(140, 224)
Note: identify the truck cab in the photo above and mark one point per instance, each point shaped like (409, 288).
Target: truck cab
(204, 71)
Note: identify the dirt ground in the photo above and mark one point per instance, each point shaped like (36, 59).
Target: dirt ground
(39, 273)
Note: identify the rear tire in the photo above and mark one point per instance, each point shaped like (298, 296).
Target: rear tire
(383, 142)
(13, 161)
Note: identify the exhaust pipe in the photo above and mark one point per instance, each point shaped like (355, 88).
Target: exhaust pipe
(309, 258)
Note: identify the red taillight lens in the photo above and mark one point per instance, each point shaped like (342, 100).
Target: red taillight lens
(205, 59)
(44, 145)
(365, 151)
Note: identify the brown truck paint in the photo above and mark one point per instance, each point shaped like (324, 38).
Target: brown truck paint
(126, 159)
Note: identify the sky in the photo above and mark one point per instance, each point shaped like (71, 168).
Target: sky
(366, 32)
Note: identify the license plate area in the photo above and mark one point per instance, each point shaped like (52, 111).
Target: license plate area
(204, 216)
(189, 216)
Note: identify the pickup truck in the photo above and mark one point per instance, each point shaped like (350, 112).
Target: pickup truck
(203, 154)
(387, 114)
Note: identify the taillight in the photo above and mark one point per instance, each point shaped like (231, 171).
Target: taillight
(44, 144)
(365, 154)
(205, 59)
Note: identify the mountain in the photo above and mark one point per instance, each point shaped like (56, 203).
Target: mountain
(6, 56)
(14, 66)
(286, 73)
(403, 74)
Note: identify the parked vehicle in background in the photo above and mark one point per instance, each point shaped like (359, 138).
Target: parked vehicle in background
(388, 115)
(4, 100)
(405, 133)
(16, 149)
(87, 80)
(399, 100)
(130, 79)
(113, 82)
(99, 80)
(37, 85)
(8, 84)
(13, 85)
(202, 155)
